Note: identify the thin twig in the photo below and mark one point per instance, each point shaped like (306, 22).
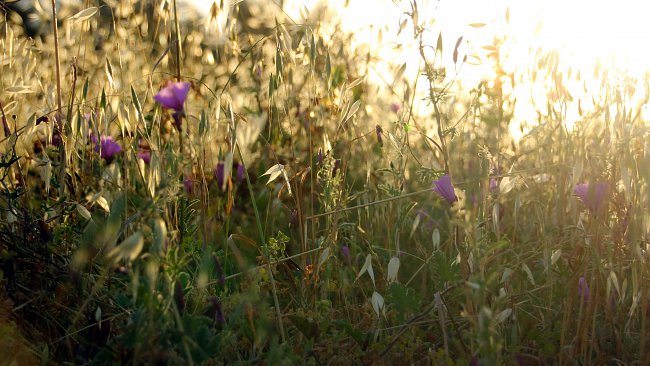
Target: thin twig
(57, 60)
(178, 43)
(369, 204)
(258, 220)
(257, 268)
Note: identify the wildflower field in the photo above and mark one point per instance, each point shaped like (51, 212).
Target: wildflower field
(249, 186)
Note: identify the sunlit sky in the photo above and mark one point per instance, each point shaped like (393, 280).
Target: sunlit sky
(615, 35)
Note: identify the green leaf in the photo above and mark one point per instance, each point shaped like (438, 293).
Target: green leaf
(306, 326)
(312, 51)
(271, 85)
(355, 333)
(159, 236)
(279, 65)
(136, 101)
(446, 269)
(403, 299)
(85, 90)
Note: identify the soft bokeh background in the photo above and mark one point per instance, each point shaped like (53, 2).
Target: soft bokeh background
(353, 183)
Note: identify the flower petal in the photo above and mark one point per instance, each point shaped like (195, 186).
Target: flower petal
(445, 189)
(173, 95)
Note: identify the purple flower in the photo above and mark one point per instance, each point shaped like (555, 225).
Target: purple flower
(379, 131)
(257, 70)
(145, 155)
(218, 174)
(494, 185)
(445, 189)
(395, 107)
(173, 95)
(337, 165)
(241, 173)
(56, 138)
(592, 195)
(216, 312)
(319, 157)
(345, 250)
(108, 147)
(188, 184)
(583, 289)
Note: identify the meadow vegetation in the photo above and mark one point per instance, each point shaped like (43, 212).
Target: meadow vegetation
(171, 194)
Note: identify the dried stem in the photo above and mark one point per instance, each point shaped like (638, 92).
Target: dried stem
(55, 31)
(59, 113)
(177, 30)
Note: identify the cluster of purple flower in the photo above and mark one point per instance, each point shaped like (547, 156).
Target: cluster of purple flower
(170, 97)
(592, 195)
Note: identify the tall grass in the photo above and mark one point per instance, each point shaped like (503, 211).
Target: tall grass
(287, 215)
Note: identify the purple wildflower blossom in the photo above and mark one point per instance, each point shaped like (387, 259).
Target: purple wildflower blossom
(56, 138)
(241, 173)
(395, 107)
(188, 184)
(216, 311)
(583, 289)
(173, 97)
(494, 185)
(219, 174)
(337, 165)
(592, 196)
(145, 155)
(345, 250)
(108, 147)
(445, 189)
(319, 157)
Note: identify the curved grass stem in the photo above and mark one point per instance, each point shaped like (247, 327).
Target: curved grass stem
(258, 220)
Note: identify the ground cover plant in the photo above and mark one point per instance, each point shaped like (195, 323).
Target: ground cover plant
(180, 190)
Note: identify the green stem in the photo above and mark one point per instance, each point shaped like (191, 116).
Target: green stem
(258, 220)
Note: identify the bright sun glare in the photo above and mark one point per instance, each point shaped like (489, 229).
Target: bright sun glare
(589, 35)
